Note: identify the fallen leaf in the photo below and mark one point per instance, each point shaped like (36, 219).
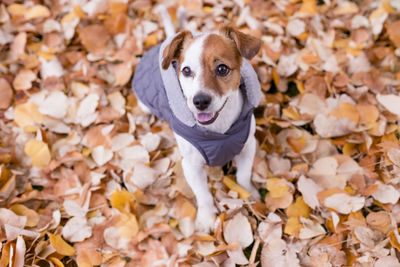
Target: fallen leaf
(277, 187)
(94, 37)
(24, 79)
(343, 203)
(238, 229)
(309, 190)
(122, 200)
(37, 11)
(55, 105)
(386, 194)
(6, 94)
(39, 152)
(394, 32)
(60, 245)
(76, 229)
(31, 215)
(243, 194)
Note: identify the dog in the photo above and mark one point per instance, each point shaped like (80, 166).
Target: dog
(203, 85)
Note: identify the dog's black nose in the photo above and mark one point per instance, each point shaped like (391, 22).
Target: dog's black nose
(201, 101)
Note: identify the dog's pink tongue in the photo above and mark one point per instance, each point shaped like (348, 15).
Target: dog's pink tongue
(204, 117)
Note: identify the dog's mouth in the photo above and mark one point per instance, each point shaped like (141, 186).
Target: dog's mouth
(205, 118)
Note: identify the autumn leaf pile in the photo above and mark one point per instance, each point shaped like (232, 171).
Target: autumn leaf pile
(87, 179)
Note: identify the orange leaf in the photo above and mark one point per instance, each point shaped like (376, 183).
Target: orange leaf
(243, 194)
(61, 246)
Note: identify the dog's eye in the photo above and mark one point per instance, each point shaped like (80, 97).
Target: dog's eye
(222, 70)
(187, 72)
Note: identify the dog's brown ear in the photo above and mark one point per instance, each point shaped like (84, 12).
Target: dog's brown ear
(247, 45)
(173, 50)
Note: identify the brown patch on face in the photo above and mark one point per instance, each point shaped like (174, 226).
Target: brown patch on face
(175, 49)
(219, 50)
(247, 45)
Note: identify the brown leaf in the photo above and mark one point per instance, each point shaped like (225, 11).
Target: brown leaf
(6, 94)
(95, 37)
(24, 79)
(394, 32)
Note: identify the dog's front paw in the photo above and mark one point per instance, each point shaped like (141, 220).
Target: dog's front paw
(205, 219)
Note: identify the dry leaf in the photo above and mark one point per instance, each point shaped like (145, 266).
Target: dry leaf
(76, 229)
(309, 190)
(31, 215)
(394, 32)
(243, 194)
(277, 187)
(60, 245)
(6, 94)
(55, 104)
(37, 11)
(238, 229)
(390, 102)
(94, 37)
(386, 194)
(24, 79)
(39, 152)
(344, 203)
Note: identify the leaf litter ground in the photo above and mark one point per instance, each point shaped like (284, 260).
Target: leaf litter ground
(87, 179)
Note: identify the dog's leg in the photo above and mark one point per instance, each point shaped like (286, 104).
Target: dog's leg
(244, 162)
(196, 176)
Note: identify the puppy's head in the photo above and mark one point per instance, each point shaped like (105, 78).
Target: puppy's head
(209, 68)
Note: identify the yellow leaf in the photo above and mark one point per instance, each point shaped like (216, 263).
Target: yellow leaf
(5, 254)
(308, 7)
(27, 114)
(275, 76)
(79, 12)
(151, 40)
(291, 113)
(69, 17)
(30, 129)
(388, 7)
(346, 8)
(354, 51)
(349, 149)
(393, 240)
(31, 215)
(46, 55)
(61, 246)
(128, 225)
(56, 262)
(122, 200)
(277, 187)
(296, 144)
(243, 194)
(208, 9)
(300, 86)
(16, 10)
(368, 114)
(298, 209)
(88, 257)
(37, 11)
(346, 110)
(38, 151)
(293, 226)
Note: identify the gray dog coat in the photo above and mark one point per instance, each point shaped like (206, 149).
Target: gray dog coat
(161, 92)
